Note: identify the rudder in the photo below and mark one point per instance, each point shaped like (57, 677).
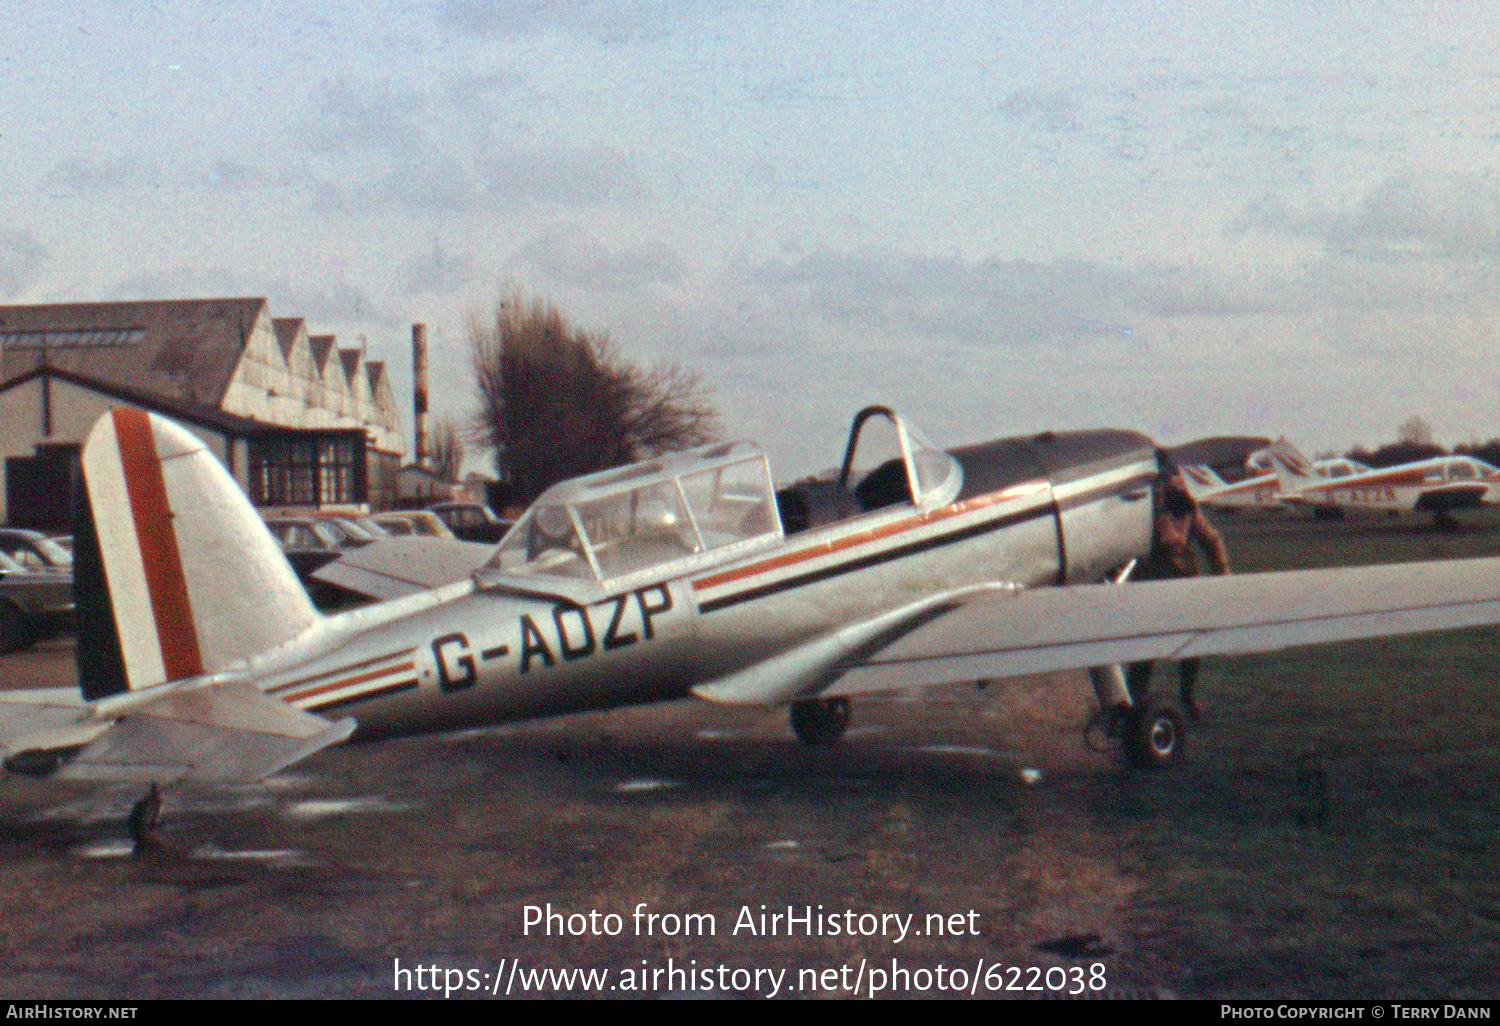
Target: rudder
(185, 577)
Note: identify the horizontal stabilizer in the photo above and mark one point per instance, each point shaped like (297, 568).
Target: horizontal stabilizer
(223, 731)
(391, 568)
(44, 720)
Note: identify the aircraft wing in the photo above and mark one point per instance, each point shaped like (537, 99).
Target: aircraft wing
(394, 567)
(995, 634)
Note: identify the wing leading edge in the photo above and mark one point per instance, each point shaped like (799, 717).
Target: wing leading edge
(997, 635)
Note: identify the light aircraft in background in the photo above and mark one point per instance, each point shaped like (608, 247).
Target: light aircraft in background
(201, 658)
(1261, 488)
(1439, 486)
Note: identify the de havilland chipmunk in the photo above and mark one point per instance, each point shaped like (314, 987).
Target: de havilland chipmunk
(201, 658)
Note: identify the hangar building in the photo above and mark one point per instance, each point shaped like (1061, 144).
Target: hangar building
(298, 421)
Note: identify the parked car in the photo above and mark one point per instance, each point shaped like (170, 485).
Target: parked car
(311, 542)
(420, 522)
(34, 550)
(472, 521)
(354, 525)
(34, 603)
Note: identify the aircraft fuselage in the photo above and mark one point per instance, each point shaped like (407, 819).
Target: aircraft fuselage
(1049, 509)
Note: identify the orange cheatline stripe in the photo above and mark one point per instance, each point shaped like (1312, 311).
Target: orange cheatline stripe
(875, 534)
(176, 632)
(342, 669)
(323, 689)
(1396, 479)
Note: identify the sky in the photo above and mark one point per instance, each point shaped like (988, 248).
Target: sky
(1246, 217)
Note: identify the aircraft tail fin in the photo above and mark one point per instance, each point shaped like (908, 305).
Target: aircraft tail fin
(1294, 471)
(176, 574)
(1201, 480)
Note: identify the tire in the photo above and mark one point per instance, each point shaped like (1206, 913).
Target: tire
(1155, 737)
(820, 721)
(144, 816)
(15, 633)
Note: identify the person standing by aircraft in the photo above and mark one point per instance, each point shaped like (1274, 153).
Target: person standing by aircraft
(1179, 524)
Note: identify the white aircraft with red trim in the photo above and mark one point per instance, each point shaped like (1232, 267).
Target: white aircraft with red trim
(1257, 490)
(1261, 487)
(201, 658)
(1440, 486)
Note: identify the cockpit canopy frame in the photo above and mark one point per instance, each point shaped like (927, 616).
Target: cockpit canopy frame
(602, 534)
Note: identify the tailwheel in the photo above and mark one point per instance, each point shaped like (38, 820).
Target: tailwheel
(1154, 736)
(820, 721)
(143, 817)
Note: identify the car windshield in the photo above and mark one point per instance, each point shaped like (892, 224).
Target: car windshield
(347, 528)
(395, 525)
(618, 526)
(373, 528)
(54, 553)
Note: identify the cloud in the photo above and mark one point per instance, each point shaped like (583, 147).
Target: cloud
(333, 301)
(1008, 302)
(1042, 112)
(382, 156)
(437, 273)
(381, 148)
(576, 258)
(232, 176)
(328, 302)
(1022, 304)
(88, 175)
(21, 260)
(1403, 218)
(351, 119)
(602, 21)
(429, 181)
(568, 176)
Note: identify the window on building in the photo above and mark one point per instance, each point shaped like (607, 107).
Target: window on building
(305, 470)
(337, 480)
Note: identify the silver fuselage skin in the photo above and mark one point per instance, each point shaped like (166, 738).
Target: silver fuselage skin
(498, 649)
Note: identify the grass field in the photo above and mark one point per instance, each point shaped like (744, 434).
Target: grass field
(1334, 831)
(1331, 833)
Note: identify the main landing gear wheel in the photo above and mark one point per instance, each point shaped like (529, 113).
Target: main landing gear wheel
(820, 721)
(143, 817)
(1154, 737)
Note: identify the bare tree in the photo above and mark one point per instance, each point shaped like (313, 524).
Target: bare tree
(1415, 430)
(556, 401)
(445, 454)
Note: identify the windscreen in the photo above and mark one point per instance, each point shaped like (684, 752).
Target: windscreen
(653, 526)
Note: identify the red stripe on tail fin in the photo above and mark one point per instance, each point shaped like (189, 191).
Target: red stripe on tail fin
(170, 606)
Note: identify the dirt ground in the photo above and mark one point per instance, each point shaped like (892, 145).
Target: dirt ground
(1331, 833)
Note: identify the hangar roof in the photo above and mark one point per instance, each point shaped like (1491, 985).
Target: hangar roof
(184, 351)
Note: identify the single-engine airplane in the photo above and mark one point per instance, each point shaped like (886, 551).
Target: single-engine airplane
(201, 658)
(1439, 486)
(1261, 487)
(1258, 489)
